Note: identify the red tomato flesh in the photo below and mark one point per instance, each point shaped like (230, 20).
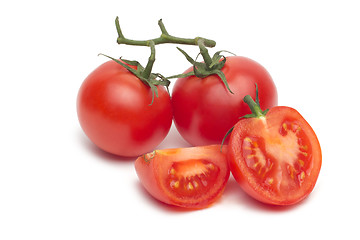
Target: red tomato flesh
(277, 158)
(186, 177)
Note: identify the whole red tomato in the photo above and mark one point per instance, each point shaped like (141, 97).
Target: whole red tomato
(204, 109)
(115, 111)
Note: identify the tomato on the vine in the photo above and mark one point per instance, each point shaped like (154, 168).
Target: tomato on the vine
(192, 177)
(204, 109)
(120, 114)
(275, 156)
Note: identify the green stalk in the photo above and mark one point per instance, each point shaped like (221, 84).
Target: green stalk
(256, 111)
(205, 53)
(165, 37)
(254, 107)
(147, 71)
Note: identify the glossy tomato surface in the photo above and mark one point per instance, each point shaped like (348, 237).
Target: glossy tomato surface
(277, 158)
(187, 177)
(204, 110)
(114, 111)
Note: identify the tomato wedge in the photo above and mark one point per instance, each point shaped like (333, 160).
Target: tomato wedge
(275, 156)
(187, 177)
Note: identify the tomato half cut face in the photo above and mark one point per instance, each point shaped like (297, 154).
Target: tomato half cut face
(277, 158)
(186, 177)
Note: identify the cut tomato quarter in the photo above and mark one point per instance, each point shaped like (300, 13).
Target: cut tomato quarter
(186, 177)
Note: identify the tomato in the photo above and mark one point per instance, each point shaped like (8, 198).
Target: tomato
(275, 158)
(192, 177)
(115, 111)
(204, 110)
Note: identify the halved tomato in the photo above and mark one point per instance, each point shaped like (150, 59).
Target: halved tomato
(276, 158)
(187, 177)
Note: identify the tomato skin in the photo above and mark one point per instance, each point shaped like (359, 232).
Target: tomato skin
(204, 110)
(154, 172)
(114, 112)
(267, 132)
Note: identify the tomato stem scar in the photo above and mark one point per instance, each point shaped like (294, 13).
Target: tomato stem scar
(147, 157)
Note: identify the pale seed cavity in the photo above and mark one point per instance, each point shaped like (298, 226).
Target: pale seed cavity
(190, 179)
(289, 148)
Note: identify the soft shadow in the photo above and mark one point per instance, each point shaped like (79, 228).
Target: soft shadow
(101, 154)
(173, 140)
(160, 205)
(235, 194)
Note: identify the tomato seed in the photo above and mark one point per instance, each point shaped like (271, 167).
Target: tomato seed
(301, 162)
(304, 153)
(247, 139)
(174, 184)
(211, 166)
(269, 181)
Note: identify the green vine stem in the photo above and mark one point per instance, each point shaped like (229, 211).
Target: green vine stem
(145, 74)
(165, 37)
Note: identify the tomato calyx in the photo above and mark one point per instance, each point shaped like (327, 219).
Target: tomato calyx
(144, 74)
(210, 65)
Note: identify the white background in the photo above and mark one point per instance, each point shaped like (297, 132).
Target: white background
(55, 184)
